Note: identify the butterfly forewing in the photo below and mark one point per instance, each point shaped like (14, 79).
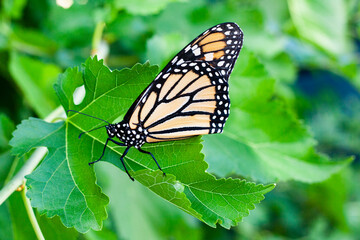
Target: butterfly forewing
(219, 46)
(190, 95)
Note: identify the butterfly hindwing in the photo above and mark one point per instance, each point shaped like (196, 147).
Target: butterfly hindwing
(190, 95)
(191, 102)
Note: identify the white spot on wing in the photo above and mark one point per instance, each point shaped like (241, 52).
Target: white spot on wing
(158, 76)
(197, 52)
(209, 56)
(174, 60)
(180, 62)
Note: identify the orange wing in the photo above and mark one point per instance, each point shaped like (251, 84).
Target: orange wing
(219, 46)
(188, 103)
(190, 95)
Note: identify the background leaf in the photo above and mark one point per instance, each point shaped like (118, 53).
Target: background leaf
(142, 7)
(269, 144)
(311, 19)
(157, 218)
(13, 8)
(35, 79)
(6, 159)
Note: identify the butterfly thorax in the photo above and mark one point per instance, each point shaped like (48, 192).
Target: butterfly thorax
(130, 137)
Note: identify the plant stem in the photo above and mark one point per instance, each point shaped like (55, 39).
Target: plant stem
(30, 164)
(31, 215)
(97, 36)
(19, 178)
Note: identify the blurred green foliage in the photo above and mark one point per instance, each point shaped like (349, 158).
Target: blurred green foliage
(296, 84)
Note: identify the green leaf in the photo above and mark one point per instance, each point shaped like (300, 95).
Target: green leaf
(32, 42)
(57, 187)
(322, 23)
(5, 222)
(72, 27)
(262, 138)
(6, 159)
(6, 128)
(334, 207)
(160, 48)
(143, 7)
(105, 88)
(223, 201)
(105, 233)
(157, 218)
(13, 8)
(21, 230)
(187, 184)
(15, 205)
(35, 79)
(52, 228)
(281, 68)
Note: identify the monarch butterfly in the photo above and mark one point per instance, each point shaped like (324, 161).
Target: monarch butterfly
(189, 97)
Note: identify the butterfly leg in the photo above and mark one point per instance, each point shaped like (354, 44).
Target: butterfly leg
(90, 163)
(107, 140)
(153, 158)
(122, 161)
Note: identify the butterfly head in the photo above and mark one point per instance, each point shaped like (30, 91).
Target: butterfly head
(111, 130)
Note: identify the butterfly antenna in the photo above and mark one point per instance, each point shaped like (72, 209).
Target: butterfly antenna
(88, 115)
(91, 130)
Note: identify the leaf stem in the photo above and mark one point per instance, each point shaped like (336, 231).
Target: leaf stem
(30, 164)
(97, 36)
(31, 215)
